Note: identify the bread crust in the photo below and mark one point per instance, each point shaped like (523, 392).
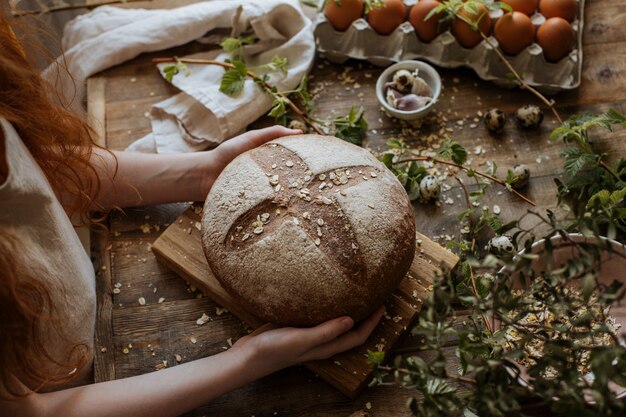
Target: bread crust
(307, 228)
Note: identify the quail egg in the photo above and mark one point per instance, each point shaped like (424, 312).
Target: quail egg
(530, 116)
(495, 119)
(403, 81)
(430, 188)
(522, 174)
(500, 245)
(298, 125)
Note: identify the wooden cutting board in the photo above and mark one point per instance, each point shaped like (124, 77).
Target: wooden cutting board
(180, 248)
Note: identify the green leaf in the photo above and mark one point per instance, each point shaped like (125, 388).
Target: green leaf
(387, 159)
(234, 45)
(375, 358)
(311, 3)
(234, 79)
(588, 285)
(279, 110)
(575, 128)
(351, 127)
(602, 197)
(171, 70)
(278, 64)
(453, 150)
(438, 386)
(577, 160)
(303, 93)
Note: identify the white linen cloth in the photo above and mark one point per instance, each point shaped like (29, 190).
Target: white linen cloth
(200, 116)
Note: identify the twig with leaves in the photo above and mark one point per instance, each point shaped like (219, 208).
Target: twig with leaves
(455, 156)
(351, 127)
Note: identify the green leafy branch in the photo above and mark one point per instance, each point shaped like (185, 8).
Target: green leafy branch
(595, 189)
(233, 82)
(351, 127)
(451, 154)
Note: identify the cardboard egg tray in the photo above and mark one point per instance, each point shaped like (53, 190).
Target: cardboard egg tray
(360, 41)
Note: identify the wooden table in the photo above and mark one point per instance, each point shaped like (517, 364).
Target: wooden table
(134, 339)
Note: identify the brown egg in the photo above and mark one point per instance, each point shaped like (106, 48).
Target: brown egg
(527, 7)
(387, 17)
(566, 9)
(342, 13)
(514, 32)
(464, 34)
(556, 37)
(427, 30)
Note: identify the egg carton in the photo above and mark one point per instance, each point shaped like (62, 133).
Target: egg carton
(360, 41)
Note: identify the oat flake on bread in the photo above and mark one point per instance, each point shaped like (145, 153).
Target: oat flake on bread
(307, 228)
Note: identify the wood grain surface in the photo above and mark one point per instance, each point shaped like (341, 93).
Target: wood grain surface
(159, 331)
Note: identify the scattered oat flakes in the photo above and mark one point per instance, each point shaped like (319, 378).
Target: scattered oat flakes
(142, 301)
(202, 320)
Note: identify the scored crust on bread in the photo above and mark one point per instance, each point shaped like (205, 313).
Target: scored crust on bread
(307, 228)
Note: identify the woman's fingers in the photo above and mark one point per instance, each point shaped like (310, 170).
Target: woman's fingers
(230, 149)
(326, 331)
(263, 329)
(346, 341)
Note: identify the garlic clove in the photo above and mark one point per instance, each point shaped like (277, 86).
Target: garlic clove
(412, 102)
(420, 88)
(392, 97)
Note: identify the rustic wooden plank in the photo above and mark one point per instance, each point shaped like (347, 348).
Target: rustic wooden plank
(605, 22)
(96, 107)
(104, 358)
(180, 248)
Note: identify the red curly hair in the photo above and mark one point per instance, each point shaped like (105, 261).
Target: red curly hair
(61, 143)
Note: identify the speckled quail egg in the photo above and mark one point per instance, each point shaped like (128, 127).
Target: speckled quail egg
(530, 116)
(298, 125)
(495, 119)
(403, 81)
(522, 173)
(500, 245)
(430, 187)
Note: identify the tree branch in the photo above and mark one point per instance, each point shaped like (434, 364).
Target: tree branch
(267, 87)
(461, 167)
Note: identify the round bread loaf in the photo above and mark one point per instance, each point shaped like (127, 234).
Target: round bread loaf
(307, 228)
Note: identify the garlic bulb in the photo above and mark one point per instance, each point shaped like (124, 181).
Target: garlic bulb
(407, 91)
(412, 102)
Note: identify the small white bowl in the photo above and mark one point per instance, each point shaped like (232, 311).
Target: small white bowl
(426, 72)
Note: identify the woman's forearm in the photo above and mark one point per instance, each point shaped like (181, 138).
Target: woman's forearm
(165, 393)
(135, 179)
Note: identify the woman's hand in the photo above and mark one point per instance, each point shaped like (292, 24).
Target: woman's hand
(271, 348)
(218, 158)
